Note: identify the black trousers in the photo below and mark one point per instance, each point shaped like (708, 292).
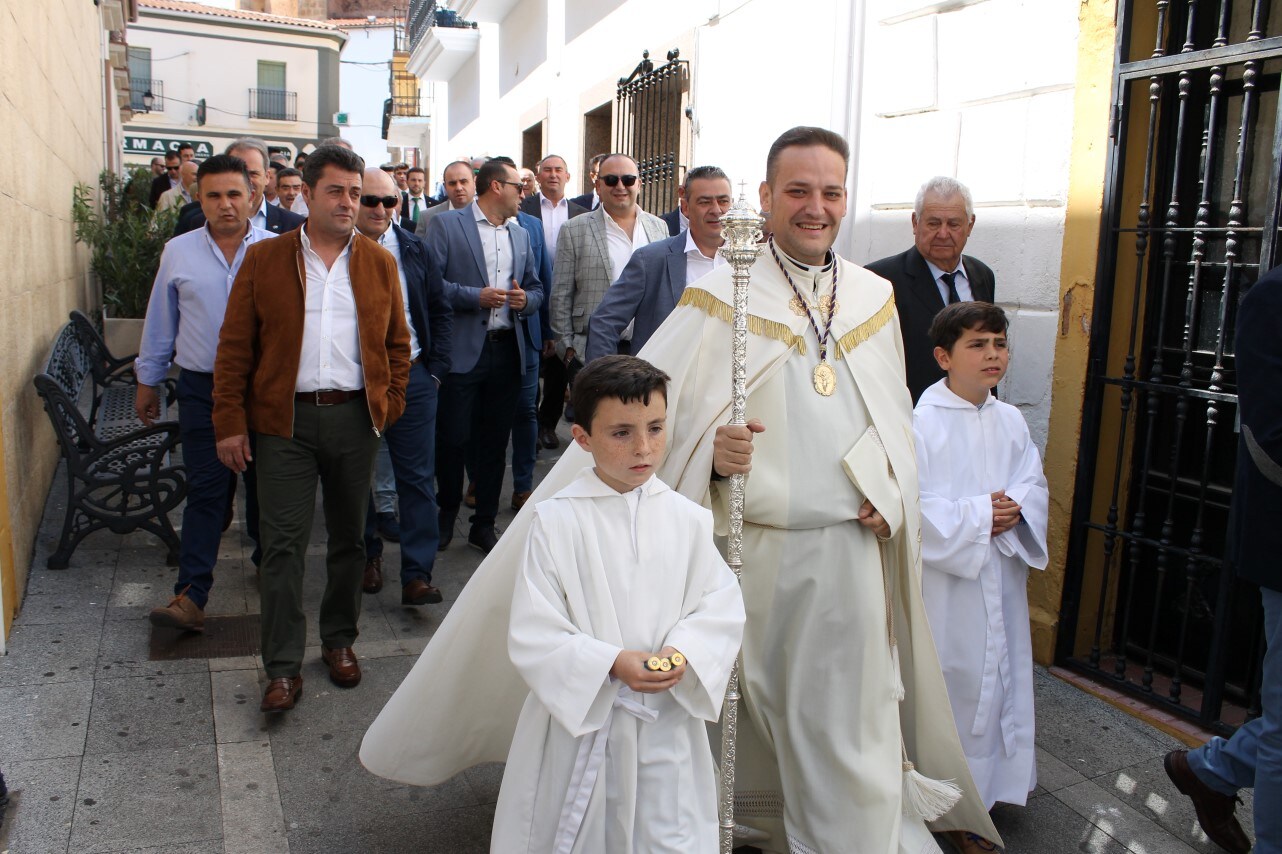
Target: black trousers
(478, 407)
(555, 381)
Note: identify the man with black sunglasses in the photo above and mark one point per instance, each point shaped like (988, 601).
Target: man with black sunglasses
(410, 440)
(493, 284)
(592, 251)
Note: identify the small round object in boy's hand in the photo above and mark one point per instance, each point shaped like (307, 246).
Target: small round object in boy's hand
(677, 659)
(665, 664)
(653, 663)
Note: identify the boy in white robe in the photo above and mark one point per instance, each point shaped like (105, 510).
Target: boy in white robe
(619, 570)
(983, 504)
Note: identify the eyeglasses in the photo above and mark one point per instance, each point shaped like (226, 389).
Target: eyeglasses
(516, 184)
(375, 201)
(613, 180)
(171, 168)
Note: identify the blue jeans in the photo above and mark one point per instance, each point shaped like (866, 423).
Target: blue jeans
(208, 484)
(384, 489)
(525, 426)
(1252, 758)
(411, 444)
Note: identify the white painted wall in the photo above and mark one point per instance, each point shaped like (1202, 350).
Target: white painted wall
(364, 87)
(217, 59)
(983, 93)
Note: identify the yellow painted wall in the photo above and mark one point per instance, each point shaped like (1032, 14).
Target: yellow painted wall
(1091, 145)
(52, 115)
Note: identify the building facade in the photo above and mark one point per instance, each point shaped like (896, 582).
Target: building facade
(215, 74)
(65, 96)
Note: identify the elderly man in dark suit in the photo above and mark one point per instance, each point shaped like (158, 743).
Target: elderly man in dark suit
(410, 440)
(1212, 775)
(657, 275)
(933, 273)
(494, 288)
(271, 218)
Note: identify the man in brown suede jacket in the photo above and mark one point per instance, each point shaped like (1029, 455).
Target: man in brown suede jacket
(314, 358)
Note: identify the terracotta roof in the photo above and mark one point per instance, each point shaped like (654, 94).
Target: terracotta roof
(362, 22)
(237, 14)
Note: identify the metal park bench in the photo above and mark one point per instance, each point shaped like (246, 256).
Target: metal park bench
(120, 474)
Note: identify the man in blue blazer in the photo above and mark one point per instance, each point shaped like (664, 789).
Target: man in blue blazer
(656, 276)
(411, 440)
(492, 282)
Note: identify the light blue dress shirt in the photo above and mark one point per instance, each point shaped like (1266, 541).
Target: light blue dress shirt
(188, 300)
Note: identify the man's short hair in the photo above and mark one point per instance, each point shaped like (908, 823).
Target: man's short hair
(241, 143)
(704, 173)
(467, 164)
(596, 161)
(288, 172)
(401, 166)
(331, 155)
(945, 188)
(803, 136)
(336, 140)
(494, 169)
(223, 164)
(955, 319)
(624, 378)
(417, 170)
(186, 146)
(276, 166)
(548, 157)
(604, 157)
(172, 154)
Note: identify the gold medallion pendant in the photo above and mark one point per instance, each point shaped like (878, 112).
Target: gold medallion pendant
(825, 379)
(798, 307)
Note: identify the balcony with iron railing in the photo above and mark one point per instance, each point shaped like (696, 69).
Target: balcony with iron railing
(274, 104)
(139, 90)
(427, 15)
(407, 101)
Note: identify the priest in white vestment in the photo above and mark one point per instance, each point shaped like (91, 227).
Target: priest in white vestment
(836, 631)
(975, 457)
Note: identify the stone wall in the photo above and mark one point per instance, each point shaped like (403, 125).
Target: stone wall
(52, 112)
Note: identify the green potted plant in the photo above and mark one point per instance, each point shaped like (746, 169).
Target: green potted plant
(125, 238)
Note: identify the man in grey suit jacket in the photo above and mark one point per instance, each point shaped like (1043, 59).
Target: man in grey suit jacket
(592, 251)
(460, 189)
(493, 286)
(934, 272)
(657, 275)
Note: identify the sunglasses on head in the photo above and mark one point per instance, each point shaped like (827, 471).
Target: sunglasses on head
(613, 180)
(375, 201)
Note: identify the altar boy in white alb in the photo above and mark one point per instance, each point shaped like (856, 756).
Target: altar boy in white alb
(983, 507)
(620, 574)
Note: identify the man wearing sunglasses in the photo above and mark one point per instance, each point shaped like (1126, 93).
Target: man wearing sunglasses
(592, 251)
(410, 441)
(493, 285)
(162, 184)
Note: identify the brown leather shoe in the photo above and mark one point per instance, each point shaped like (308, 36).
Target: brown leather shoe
(282, 693)
(373, 574)
(343, 669)
(519, 499)
(1214, 811)
(419, 592)
(181, 613)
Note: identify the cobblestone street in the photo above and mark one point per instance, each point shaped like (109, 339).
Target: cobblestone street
(111, 744)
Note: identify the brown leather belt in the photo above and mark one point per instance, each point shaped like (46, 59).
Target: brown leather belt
(328, 396)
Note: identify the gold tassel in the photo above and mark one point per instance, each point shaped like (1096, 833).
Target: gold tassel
(759, 326)
(867, 329)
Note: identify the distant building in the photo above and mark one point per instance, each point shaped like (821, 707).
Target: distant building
(214, 74)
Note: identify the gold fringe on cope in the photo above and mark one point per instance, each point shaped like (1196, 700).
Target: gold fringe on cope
(867, 329)
(713, 307)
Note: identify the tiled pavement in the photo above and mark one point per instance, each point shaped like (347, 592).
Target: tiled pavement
(105, 750)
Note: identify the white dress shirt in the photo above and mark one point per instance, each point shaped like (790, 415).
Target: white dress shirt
(621, 247)
(331, 353)
(392, 243)
(553, 215)
(497, 243)
(699, 265)
(959, 281)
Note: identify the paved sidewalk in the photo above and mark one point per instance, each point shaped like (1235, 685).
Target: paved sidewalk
(105, 750)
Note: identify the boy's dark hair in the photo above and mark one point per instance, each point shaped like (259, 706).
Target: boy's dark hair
(222, 164)
(624, 378)
(955, 319)
(331, 155)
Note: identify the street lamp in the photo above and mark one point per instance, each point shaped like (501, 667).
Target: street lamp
(147, 100)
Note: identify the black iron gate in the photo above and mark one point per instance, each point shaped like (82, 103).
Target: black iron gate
(1190, 219)
(649, 126)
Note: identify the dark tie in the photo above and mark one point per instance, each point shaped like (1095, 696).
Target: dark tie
(414, 213)
(950, 280)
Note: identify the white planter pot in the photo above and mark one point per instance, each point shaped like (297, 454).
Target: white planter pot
(122, 334)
